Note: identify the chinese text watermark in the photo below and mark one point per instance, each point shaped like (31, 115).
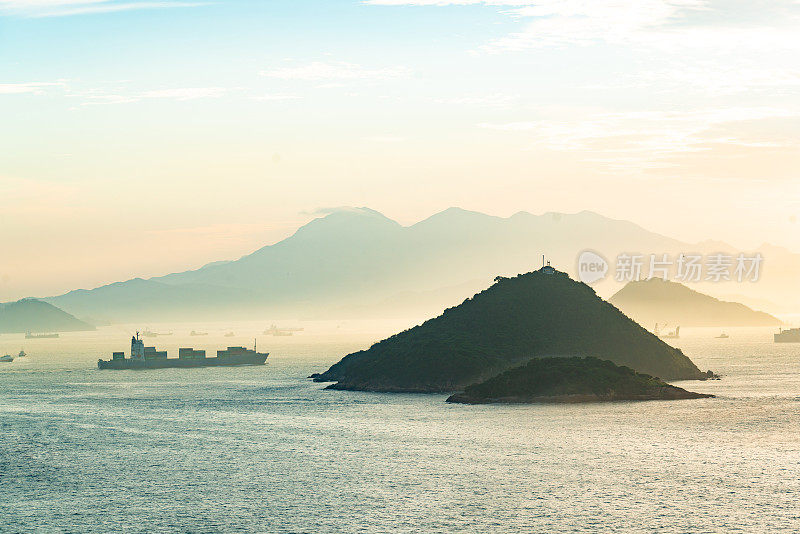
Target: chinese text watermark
(717, 267)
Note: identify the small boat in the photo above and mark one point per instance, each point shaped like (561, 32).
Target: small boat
(6, 359)
(280, 332)
(21, 354)
(148, 333)
(193, 333)
(722, 336)
(29, 335)
(230, 334)
(675, 334)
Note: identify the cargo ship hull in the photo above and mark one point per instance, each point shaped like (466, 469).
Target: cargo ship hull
(168, 363)
(792, 335)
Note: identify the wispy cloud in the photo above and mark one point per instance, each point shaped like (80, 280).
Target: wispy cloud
(709, 77)
(386, 139)
(275, 97)
(181, 94)
(708, 46)
(495, 100)
(63, 8)
(569, 22)
(337, 71)
(665, 24)
(185, 93)
(555, 22)
(37, 88)
(636, 140)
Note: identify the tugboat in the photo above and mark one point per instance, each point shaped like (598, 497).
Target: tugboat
(279, 332)
(791, 335)
(148, 333)
(675, 334)
(149, 358)
(722, 336)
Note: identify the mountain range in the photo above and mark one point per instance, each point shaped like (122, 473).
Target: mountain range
(357, 262)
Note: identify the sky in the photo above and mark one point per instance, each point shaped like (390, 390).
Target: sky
(145, 137)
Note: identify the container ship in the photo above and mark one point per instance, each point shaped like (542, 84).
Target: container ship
(149, 358)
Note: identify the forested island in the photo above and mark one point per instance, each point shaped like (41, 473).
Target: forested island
(32, 315)
(571, 380)
(538, 314)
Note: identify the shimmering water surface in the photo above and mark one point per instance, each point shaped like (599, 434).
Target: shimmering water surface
(263, 449)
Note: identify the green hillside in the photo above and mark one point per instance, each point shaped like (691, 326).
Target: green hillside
(571, 380)
(37, 316)
(659, 301)
(531, 315)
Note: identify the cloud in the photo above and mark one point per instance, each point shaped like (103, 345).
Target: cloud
(328, 210)
(275, 97)
(63, 8)
(708, 46)
(185, 93)
(497, 100)
(709, 77)
(667, 24)
(37, 88)
(449, 2)
(320, 71)
(634, 140)
(565, 22)
(384, 139)
(182, 94)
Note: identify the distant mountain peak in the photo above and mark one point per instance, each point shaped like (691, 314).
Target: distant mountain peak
(348, 212)
(34, 315)
(454, 215)
(663, 301)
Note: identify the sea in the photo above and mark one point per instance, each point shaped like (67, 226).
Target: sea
(264, 449)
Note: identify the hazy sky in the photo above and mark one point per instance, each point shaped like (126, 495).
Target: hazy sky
(142, 137)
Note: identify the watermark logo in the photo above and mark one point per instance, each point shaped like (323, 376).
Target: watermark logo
(629, 267)
(717, 267)
(592, 267)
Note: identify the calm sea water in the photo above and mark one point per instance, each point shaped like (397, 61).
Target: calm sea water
(262, 449)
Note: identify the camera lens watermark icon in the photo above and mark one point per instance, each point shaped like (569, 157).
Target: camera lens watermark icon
(592, 267)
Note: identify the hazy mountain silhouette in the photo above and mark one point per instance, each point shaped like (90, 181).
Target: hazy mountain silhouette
(36, 316)
(658, 301)
(358, 260)
(531, 315)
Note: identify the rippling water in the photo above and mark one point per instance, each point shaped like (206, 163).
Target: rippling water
(262, 449)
